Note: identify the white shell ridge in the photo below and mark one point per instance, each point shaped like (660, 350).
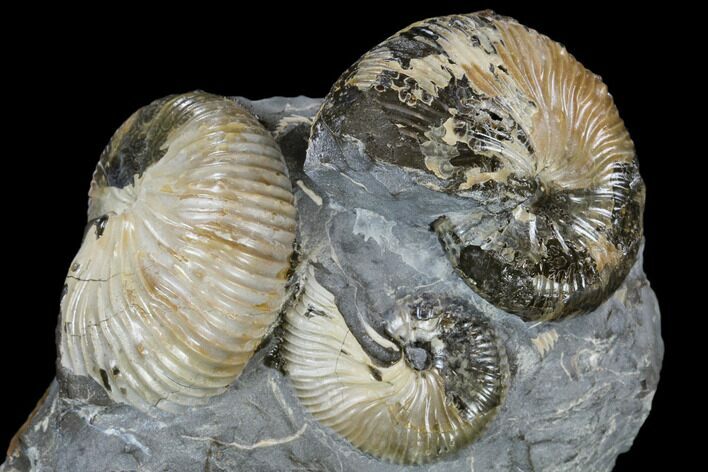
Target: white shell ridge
(184, 264)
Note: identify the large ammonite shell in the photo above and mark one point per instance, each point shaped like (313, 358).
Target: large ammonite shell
(438, 398)
(488, 110)
(183, 267)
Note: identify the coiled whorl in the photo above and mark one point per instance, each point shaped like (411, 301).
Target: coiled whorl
(492, 112)
(436, 399)
(183, 267)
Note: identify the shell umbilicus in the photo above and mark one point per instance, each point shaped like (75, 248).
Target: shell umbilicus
(485, 109)
(183, 267)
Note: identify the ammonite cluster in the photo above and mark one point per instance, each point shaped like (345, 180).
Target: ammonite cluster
(185, 266)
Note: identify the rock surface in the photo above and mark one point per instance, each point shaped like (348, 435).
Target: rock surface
(579, 391)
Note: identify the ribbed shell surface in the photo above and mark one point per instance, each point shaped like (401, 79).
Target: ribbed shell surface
(396, 413)
(487, 109)
(183, 267)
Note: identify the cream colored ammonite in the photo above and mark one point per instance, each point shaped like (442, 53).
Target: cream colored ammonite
(437, 398)
(184, 264)
(496, 114)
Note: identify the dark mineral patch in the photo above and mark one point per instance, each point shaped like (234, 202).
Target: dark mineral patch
(138, 143)
(100, 224)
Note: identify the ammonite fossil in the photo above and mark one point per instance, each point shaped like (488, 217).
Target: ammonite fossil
(437, 398)
(500, 116)
(184, 263)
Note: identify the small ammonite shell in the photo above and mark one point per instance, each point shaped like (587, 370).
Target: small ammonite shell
(437, 398)
(500, 116)
(183, 267)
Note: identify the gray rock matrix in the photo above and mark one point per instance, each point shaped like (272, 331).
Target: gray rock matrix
(579, 391)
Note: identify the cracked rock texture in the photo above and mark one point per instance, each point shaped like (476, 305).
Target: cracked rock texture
(579, 390)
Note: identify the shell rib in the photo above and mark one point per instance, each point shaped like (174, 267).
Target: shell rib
(486, 109)
(183, 267)
(405, 413)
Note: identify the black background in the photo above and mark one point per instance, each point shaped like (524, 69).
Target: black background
(78, 74)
